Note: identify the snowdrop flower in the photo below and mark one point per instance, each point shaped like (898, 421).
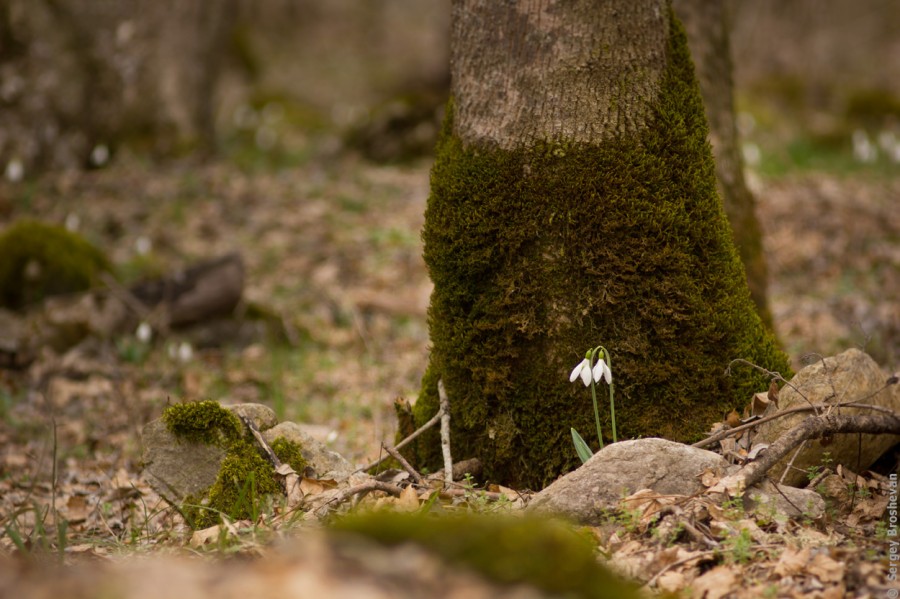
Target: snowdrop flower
(73, 222)
(99, 155)
(143, 245)
(863, 149)
(602, 371)
(185, 352)
(144, 333)
(14, 170)
(584, 370)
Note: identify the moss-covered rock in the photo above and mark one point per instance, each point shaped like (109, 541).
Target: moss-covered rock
(541, 252)
(542, 553)
(38, 260)
(244, 479)
(290, 453)
(205, 422)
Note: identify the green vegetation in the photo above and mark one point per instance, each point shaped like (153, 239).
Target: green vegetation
(289, 453)
(544, 553)
(245, 478)
(39, 260)
(539, 252)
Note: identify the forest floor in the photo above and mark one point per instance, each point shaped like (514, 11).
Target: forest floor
(332, 247)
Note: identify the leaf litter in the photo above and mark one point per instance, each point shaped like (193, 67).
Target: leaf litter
(334, 252)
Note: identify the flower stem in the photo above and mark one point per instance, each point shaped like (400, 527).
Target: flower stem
(612, 403)
(596, 412)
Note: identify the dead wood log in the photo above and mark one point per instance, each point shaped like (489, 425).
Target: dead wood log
(205, 290)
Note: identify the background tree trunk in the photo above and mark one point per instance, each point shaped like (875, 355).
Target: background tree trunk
(574, 203)
(78, 74)
(708, 26)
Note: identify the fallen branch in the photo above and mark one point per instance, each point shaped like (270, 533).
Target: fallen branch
(406, 466)
(434, 420)
(811, 428)
(846, 404)
(362, 490)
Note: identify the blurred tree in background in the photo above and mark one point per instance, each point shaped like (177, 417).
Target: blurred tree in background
(81, 77)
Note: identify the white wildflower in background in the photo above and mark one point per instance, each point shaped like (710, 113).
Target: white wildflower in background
(144, 333)
(751, 153)
(73, 222)
(99, 155)
(143, 245)
(15, 170)
(863, 149)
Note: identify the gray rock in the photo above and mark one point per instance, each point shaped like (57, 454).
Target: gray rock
(620, 469)
(326, 463)
(262, 416)
(849, 376)
(790, 501)
(175, 468)
(666, 467)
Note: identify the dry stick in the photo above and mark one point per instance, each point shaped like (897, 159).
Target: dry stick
(680, 562)
(257, 436)
(434, 420)
(846, 404)
(811, 428)
(362, 489)
(445, 433)
(406, 466)
(771, 373)
(790, 463)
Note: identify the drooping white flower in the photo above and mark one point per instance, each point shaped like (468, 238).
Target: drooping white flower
(602, 371)
(583, 370)
(144, 333)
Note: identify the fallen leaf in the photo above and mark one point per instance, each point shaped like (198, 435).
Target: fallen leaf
(826, 569)
(715, 584)
(792, 561)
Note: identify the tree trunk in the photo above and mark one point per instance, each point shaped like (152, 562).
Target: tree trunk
(708, 25)
(573, 203)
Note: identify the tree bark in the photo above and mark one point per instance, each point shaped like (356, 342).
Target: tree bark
(708, 26)
(573, 203)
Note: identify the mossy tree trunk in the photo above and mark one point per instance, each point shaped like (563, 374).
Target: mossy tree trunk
(708, 24)
(573, 203)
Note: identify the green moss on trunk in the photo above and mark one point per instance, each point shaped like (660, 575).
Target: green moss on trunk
(539, 253)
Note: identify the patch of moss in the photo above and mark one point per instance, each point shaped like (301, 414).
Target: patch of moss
(290, 453)
(544, 553)
(204, 422)
(244, 479)
(541, 252)
(38, 260)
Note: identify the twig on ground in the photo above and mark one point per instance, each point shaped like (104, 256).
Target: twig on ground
(790, 463)
(257, 436)
(434, 420)
(362, 490)
(680, 562)
(406, 466)
(445, 433)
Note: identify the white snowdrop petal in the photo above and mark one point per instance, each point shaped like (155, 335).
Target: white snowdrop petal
(598, 369)
(577, 370)
(586, 374)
